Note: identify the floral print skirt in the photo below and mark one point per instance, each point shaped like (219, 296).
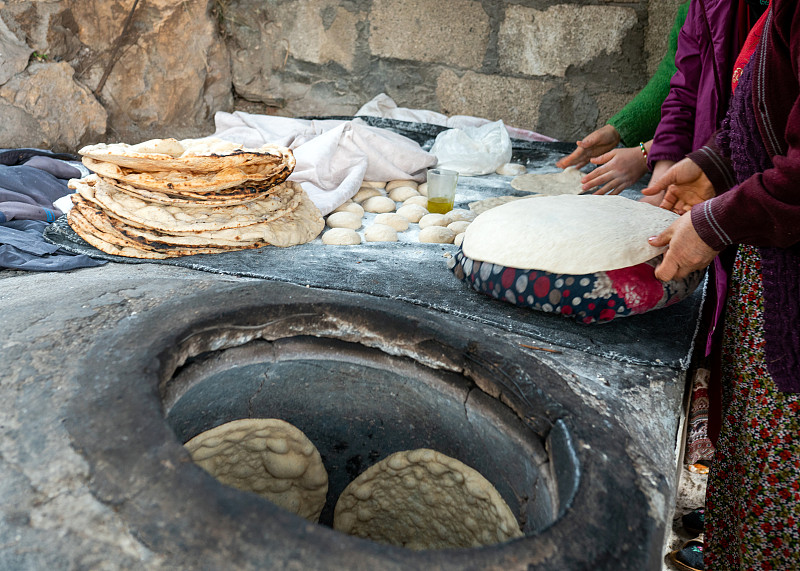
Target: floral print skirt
(753, 497)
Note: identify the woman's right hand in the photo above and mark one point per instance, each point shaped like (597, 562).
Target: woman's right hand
(685, 184)
(593, 145)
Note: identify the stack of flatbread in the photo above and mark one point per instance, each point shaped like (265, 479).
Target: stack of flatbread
(165, 198)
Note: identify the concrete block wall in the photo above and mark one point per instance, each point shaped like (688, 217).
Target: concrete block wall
(557, 67)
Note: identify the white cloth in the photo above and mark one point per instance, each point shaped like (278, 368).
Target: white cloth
(333, 156)
(384, 106)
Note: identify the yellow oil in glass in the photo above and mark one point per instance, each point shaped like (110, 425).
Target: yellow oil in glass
(440, 205)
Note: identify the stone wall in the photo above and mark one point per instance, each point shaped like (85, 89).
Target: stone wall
(84, 71)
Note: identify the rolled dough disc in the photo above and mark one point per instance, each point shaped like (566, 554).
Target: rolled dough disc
(567, 181)
(567, 234)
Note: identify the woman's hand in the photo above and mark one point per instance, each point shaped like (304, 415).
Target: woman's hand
(594, 144)
(686, 251)
(685, 185)
(620, 169)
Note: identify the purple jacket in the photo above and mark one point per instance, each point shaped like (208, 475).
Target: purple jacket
(699, 90)
(764, 210)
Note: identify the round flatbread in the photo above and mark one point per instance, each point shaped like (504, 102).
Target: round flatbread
(567, 181)
(268, 457)
(567, 234)
(209, 155)
(179, 181)
(422, 499)
(177, 218)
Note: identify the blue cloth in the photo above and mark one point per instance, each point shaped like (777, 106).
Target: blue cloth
(22, 247)
(30, 181)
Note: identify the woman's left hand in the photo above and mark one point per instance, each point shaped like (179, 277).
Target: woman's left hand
(686, 253)
(619, 169)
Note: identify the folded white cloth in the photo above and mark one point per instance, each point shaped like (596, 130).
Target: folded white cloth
(333, 156)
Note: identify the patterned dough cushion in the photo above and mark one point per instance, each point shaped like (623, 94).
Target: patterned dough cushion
(585, 257)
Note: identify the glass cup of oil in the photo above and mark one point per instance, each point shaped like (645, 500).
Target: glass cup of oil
(441, 190)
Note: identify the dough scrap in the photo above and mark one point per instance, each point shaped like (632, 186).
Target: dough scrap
(422, 499)
(267, 456)
(380, 233)
(567, 234)
(396, 221)
(437, 235)
(344, 220)
(423, 189)
(341, 237)
(379, 204)
(567, 181)
(459, 239)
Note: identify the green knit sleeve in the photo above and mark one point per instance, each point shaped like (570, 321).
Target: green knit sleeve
(637, 121)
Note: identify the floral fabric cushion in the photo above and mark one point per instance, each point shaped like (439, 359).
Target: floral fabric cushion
(590, 298)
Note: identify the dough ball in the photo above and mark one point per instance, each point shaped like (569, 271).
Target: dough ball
(351, 206)
(380, 233)
(402, 193)
(432, 220)
(459, 239)
(373, 184)
(437, 235)
(412, 212)
(379, 204)
(392, 184)
(418, 200)
(511, 169)
(344, 220)
(366, 192)
(423, 189)
(396, 221)
(341, 237)
(458, 214)
(459, 226)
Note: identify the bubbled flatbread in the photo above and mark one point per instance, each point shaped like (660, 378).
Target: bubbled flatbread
(209, 155)
(166, 218)
(567, 181)
(567, 234)
(241, 194)
(422, 499)
(198, 183)
(268, 457)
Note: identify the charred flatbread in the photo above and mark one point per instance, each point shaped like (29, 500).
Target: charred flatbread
(166, 218)
(198, 183)
(209, 155)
